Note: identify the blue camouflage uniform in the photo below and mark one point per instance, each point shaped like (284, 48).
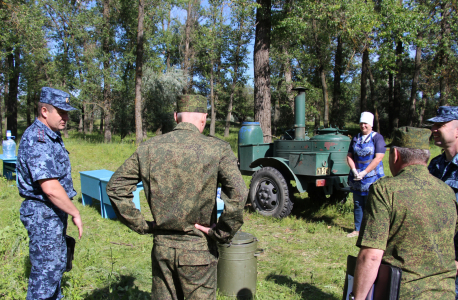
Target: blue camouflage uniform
(447, 171)
(42, 155)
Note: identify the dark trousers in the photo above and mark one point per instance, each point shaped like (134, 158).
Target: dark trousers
(180, 274)
(46, 226)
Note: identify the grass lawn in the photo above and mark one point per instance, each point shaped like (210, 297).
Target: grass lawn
(304, 254)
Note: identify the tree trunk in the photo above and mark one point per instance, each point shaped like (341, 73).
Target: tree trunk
(337, 118)
(235, 76)
(212, 102)
(390, 103)
(106, 68)
(5, 105)
(13, 82)
(229, 115)
(317, 115)
(374, 101)
(1, 118)
(81, 123)
(262, 104)
(29, 108)
(397, 85)
(289, 84)
(138, 74)
(364, 71)
(102, 117)
(325, 96)
(66, 131)
(322, 74)
(190, 19)
(444, 45)
(413, 93)
(423, 103)
(91, 120)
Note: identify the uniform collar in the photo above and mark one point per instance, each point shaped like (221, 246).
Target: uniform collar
(444, 158)
(413, 169)
(47, 130)
(187, 126)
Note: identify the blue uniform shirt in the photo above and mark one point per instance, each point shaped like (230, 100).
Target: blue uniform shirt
(42, 155)
(447, 171)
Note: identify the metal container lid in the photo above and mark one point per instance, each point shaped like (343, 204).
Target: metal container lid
(242, 238)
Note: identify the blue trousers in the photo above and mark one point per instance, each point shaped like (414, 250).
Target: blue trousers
(359, 203)
(46, 226)
(456, 288)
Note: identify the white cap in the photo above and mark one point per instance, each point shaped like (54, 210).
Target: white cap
(367, 117)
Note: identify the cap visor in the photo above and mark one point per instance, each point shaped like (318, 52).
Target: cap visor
(66, 107)
(440, 119)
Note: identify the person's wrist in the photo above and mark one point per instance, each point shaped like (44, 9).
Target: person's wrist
(76, 214)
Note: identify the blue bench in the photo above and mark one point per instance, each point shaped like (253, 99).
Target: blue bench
(93, 186)
(108, 211)
(9, 167)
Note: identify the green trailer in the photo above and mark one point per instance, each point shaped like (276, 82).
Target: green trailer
(317, 165)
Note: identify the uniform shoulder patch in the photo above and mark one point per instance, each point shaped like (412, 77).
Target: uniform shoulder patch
(41, 135)
(212, 136)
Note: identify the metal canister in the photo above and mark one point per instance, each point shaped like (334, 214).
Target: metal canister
(237, 266)
(250, 133)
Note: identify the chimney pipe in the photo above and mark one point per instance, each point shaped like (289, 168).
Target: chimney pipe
(299, 114)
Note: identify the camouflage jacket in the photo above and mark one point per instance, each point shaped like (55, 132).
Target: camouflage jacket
(180, 171)
(42, 155)
(447, 171)
(412, 217)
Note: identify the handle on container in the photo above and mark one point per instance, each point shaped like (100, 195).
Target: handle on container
(259, 252)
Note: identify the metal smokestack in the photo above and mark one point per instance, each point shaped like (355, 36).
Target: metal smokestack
(299, 114)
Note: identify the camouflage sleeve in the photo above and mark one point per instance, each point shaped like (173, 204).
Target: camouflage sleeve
(119, 190)
(234, 194)
(375, 227)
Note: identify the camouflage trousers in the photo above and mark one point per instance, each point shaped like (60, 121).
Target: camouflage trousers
(46, 225)
(183, 274)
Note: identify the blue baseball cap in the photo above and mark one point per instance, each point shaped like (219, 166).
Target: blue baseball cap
(56, 98)
(445, 114)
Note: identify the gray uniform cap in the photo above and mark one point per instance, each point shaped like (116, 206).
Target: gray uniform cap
(56, 98)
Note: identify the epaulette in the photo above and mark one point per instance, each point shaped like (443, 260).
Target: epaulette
(41, 135)
(212, 136)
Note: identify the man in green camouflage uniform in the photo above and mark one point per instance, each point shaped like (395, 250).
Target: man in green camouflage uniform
(181, 171)
(409, 222)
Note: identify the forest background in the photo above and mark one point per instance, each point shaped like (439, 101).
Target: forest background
(125, 62)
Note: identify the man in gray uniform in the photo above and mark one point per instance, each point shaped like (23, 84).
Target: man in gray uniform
(445, 165)
(45, 181)
(181, 171)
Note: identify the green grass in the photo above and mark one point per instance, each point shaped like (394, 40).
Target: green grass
(304, 254)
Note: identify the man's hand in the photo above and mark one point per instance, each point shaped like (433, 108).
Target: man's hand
(362, 174)
(58, 196)
(203, 228)
(151, 225)
(456, 264)
(78, 223)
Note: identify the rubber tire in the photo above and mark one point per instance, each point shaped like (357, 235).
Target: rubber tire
(275, 188)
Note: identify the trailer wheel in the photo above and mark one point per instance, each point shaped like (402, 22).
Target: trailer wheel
(269, 193)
